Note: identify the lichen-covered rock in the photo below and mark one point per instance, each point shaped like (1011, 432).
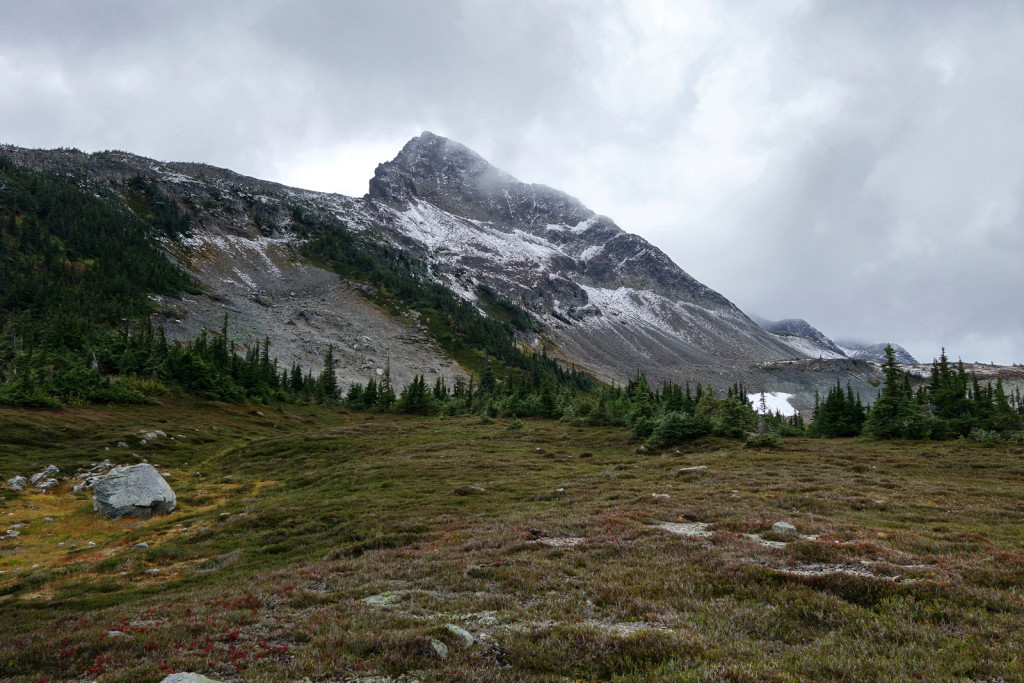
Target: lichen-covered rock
(135, 491)
(17, 483)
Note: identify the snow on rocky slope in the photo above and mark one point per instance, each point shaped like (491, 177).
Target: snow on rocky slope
(611, 301)
(608, 301)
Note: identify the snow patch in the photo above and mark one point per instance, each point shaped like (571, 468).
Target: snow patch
(775, 401)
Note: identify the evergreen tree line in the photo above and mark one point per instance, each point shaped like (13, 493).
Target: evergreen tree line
(952, 404)
(74, 264)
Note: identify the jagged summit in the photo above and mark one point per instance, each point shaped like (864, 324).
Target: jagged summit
(456, 179)
(580, 245)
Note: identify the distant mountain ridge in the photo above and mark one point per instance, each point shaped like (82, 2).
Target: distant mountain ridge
(876, 352)
(825, 347)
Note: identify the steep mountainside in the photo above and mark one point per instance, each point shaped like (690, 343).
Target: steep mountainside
(610, 301)
(295, 266)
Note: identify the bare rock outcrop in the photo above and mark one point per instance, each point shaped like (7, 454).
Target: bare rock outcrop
(135, 491)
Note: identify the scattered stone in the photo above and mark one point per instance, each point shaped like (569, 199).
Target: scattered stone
(47, 484)
(13, 533)
(135, 491)
(19, 525)
(47, 519)
(17, 483)
(153, 572)
(386, 598)
(783, 528)
(122, 444)
(469, 490)
(140, 546)
(85, 484)
(188, 678)
(439, 648)
(464, 637)
(92, 544)
(685, 528)
(115, 634)
(561, 541)
(695, 468)
(662, 496)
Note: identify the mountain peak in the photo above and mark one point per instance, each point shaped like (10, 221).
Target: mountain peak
(453, 177)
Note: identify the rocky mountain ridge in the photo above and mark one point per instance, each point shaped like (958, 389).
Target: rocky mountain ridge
(606, 301)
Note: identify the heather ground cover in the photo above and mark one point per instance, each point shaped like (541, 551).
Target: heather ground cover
(315, 544)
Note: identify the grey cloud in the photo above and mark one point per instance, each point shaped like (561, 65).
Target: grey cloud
(857, 164)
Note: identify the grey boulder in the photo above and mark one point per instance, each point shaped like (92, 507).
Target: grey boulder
(17, 483)
(783, 528)
(135, 491)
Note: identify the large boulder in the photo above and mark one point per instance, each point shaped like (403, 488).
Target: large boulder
(135, 491)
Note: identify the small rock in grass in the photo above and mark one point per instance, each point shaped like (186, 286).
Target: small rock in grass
(115, 634)
(140, 546)
(13, 533)
(17, 483)
(464, 637)
(695, 468)
(47, 519)
(153, 572)
(662, 496)
(783, 528)
(188, 678)
(439, 648)
(122, 444)
(92, 544)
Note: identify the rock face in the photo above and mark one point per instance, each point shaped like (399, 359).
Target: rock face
(135, 491)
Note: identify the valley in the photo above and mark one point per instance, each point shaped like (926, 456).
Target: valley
(325, 545)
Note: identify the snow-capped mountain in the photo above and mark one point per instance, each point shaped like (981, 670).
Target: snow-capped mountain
(612, 301)
(604, 300)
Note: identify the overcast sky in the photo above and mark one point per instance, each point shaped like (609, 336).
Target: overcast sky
(858, 164)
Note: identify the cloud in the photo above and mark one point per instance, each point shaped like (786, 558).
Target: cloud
(855, 164)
